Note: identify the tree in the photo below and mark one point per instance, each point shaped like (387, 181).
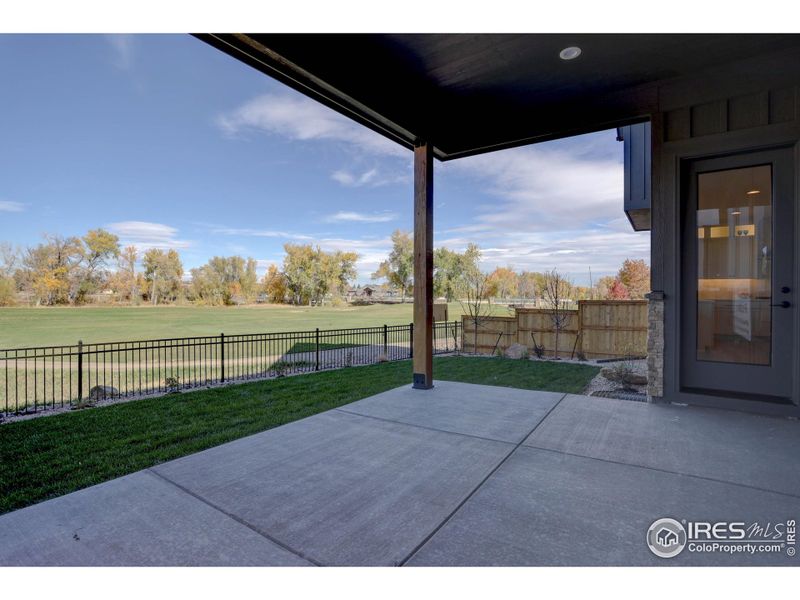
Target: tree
(618, 291)
(453, 271)
(398, 269)
(9, 259)
(275, 285)
(635, 276)
(503, 282)
(298, 267)
(311, 274)
(556, 290)
(225, 280)
(581, 292)
(529, 285)
(604, 286)
(126, 279)
(476, 304)
(163, 271)
(49, 270)
(249, 280)
(8, 291)
(97, 248)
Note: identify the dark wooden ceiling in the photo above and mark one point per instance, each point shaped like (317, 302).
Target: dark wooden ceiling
(472, 93)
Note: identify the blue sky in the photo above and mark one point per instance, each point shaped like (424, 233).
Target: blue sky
(169, 143)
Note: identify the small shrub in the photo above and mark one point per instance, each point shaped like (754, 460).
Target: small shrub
(581, 356)
(281, 368)
(538, 350)
(173, 384)
(624, 370)
(498, 352)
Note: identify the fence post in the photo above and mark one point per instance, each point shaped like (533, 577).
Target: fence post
(316, 366)
(80, 371)
(222, 357)
(385, 340)
(411, 340)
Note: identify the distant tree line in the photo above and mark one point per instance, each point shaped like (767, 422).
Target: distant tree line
(631, 282)
(456, 276)
(77, 270)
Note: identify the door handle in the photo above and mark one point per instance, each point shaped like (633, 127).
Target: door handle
(784, 304)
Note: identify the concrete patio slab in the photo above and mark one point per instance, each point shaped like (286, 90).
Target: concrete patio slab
(423, 478)
(339, 488)
(547, 508)
(718, 444)
(139, 519)
(498, 413)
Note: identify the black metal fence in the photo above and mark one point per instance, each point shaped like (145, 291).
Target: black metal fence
(45, 378)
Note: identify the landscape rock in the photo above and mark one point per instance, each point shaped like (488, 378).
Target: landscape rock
(516, 351)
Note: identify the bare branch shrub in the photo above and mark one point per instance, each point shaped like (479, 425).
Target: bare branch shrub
(556, 292)
(476, 304)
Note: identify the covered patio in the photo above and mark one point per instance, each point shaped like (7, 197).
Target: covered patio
(462, 475)
(723, 324)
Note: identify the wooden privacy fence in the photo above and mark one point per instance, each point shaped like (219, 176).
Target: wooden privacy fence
(598, 329)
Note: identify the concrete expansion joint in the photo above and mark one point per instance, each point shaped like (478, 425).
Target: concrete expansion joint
(479, 486)
(239, 520)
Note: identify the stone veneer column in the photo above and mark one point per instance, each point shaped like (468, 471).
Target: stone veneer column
(655, 346)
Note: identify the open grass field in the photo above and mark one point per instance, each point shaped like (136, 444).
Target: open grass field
(50, 456)
(48, 326)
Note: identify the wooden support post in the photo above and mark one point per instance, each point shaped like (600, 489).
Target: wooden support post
(423, 266)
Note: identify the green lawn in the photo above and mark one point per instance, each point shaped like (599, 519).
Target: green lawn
(50, 456)
(47, 326)
(303, 347)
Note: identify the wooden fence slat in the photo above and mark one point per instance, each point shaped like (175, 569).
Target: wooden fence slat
(603, 328)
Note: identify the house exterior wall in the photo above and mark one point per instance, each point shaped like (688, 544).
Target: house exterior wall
(744, 106)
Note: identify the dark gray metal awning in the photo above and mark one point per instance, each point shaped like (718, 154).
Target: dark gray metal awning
(473, 93)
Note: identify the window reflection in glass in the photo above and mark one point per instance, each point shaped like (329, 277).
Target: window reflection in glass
(734, 265)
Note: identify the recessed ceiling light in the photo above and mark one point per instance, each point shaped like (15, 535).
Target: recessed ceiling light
(569, 53)
(753, 192)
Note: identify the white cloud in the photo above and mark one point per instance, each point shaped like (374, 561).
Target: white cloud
(300, 118)
(122, 46)
(145, 235)
(263, 233)
(357, 217)
(8, 206)
(541, 188)
(372, 177)
(551, 207)
(350, 180)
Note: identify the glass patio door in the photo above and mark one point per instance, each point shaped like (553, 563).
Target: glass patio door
(737, 275)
